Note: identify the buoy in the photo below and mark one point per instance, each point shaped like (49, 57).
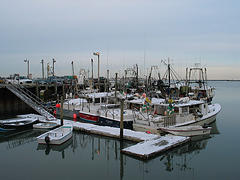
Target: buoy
(54, 112)
(74, 116)
(58, 105)
(148, 132)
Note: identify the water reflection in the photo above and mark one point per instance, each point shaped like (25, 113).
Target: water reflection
(186, 152)
(18, 138)
(99, 151)
(57, 148)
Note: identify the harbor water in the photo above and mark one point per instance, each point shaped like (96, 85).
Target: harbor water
(88, 156)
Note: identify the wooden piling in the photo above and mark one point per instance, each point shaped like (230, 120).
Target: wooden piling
(37, 89)
(116, 87)
(63, 91)
(61, 111)
(121, 121)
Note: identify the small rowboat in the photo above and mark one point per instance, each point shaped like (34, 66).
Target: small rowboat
(45, 125)
(187, 130)
(17, 124)
(57, 136)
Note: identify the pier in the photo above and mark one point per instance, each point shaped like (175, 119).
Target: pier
(148, 145)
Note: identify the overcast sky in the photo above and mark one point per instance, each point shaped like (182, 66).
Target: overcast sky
(125, 32)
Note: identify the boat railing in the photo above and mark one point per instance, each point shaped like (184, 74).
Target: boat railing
(169, 120)
(139, 112)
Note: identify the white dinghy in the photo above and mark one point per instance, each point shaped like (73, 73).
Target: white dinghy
(57, 136)
(45, 125)
(187, 130)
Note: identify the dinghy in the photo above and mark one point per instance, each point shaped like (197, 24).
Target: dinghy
(57, 136)
(17, 124)
(45, 125)
(187, 130)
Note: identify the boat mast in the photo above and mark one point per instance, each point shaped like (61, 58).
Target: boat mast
(169, 77)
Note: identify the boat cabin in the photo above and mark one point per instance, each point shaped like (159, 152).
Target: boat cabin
(182, 109)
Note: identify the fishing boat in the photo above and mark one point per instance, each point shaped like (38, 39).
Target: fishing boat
(17, 124)
(187, 130)
(197, 84)
(57, 136)
(178, 113)
(71, 108)
(110, 115)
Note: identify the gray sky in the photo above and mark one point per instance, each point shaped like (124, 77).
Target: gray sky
(187, 31)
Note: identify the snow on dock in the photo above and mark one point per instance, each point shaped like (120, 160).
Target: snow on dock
(111, 131)
(101, 130)
(148, 145)
(152, 147)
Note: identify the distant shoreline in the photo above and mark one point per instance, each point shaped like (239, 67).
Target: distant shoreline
(223, 80)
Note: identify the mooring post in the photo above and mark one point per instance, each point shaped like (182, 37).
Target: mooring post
(61, 111)
(116, 87)
(37, 89)
(63, 92)
(121, 121)
(55, 89)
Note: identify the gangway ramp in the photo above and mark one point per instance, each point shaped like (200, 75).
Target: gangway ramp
(31, 99)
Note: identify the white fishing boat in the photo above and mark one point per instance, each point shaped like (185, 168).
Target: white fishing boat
(57, 136)
(187, 130)
(182, 112)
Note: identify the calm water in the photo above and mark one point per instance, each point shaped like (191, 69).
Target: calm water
(94, 157)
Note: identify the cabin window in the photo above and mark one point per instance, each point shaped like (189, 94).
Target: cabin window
(193, 109)
(160, 110)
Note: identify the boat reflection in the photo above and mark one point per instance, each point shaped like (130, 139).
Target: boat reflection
(186, 152)
(18, 138)
(58, 148)
(95, 150)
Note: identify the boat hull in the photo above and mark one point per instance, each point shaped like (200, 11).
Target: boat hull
(17, 126)
(67, 114)
(60, 139)
(45, 126)
(88, 117)
(189, 132)
(103, 121)
(205, 120)
(56, 142)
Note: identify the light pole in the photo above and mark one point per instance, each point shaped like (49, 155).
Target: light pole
(92, 72)
(53, 65)
(72, 68)
(42, 62)
(27, 61)
(98, 55)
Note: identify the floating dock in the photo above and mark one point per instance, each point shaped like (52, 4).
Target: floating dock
(111, 131)
(150, 148)
(149, 145)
